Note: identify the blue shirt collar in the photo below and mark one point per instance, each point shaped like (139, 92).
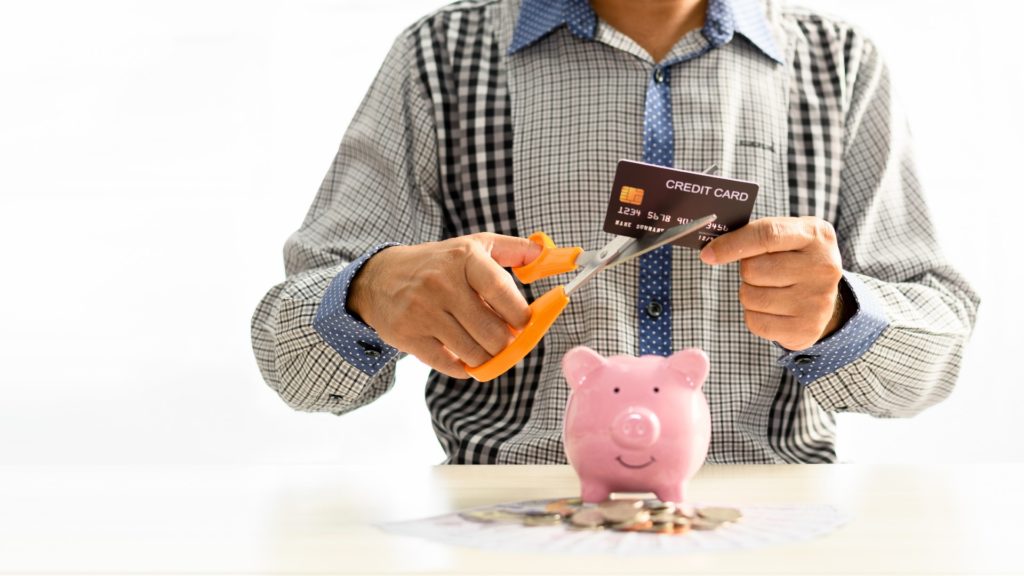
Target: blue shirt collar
(538, 18)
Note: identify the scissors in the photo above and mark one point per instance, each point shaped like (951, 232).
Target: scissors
(554, 260)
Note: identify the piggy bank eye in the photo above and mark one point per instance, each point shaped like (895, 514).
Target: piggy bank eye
(656, 390)
(616, 390)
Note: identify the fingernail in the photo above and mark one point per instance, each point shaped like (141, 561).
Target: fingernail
(707, 255)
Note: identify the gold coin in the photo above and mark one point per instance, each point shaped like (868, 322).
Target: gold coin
(704, 524)
(565, 503)
(661, 528)
(681, 521)
(719, 514)
(632, 526)
(681, 529)
(665, 516)
(562, 506)
(686, 510)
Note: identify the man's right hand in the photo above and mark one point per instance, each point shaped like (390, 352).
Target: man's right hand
(445, 302)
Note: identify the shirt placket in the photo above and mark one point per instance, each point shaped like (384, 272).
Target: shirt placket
(655, 306)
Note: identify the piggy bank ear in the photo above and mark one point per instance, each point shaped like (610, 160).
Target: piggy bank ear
(578, 363)
(692, 363)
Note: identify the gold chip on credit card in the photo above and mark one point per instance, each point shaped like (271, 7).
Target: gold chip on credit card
(631, 195)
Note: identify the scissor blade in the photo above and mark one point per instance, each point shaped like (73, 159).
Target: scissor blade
(613, 252)
(599, 258)
(647, 243)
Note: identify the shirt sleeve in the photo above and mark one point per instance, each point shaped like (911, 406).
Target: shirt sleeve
(382, 188)
(357, 343)
(924, 310)
(845, 345)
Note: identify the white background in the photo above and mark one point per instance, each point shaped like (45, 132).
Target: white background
(154, 156)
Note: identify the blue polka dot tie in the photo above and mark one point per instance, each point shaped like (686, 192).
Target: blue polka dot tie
(655, 306)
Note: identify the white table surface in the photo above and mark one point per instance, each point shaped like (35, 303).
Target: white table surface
(263, 519)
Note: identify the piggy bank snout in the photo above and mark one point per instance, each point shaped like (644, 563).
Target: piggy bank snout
(636, 427)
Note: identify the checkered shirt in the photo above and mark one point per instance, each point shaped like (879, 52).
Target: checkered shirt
(799, 103)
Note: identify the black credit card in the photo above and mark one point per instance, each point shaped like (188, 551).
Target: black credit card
(649, 199)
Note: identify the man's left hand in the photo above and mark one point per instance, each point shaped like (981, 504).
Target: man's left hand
(790, 270)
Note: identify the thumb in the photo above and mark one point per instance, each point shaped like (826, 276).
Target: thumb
(510, 251)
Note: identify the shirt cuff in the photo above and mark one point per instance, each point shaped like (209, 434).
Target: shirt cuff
(350, 337)
(844, 345)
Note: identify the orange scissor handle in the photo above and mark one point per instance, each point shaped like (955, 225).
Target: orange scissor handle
(543, 312)
(552, 260)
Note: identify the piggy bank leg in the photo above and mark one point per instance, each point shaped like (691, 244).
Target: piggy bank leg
(594, 492)
(674, 493)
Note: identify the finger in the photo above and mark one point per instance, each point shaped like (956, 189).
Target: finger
(510, 251)
(775, 301)
(762, 236)
(455, 338)
(792, 333)
(790, 301)
(431, 352)
(778, 270)
(497, 288)
(483, 324)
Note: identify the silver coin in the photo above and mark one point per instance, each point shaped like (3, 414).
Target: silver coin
(686, 510)
(588, 518)
(574, 528)
(625, 512)
(657, 506)
(665, 516)
(621, 503)
(536, 518)
(539, 513)
(490, 516)
(638, 526)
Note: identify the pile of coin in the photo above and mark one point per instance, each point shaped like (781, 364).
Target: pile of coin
(623, 515)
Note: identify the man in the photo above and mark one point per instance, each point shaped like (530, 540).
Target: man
(492, 119)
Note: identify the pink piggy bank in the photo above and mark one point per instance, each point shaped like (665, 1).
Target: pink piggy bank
(636, 424)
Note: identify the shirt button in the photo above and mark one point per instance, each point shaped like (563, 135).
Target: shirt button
(371, 350)
(654, 309)
(659, 74)
(803, 360)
